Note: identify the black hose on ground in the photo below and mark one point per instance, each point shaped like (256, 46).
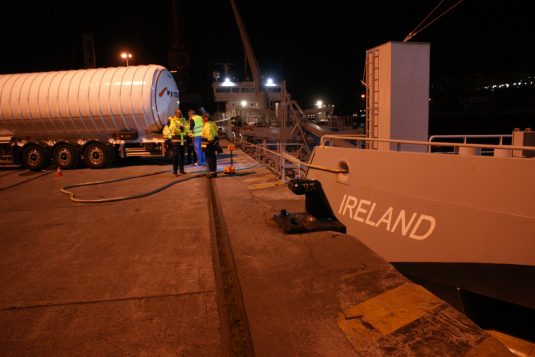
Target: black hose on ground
(73, 198)
(183, 178)
(24, 181)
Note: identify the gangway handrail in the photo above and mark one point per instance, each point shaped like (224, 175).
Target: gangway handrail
(278, 166)
(399, 142)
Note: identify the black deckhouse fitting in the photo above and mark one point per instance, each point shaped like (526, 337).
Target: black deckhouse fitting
(318, 216)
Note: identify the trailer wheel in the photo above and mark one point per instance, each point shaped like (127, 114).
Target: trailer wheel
(65, 156)
(97, 155)
(34, 157)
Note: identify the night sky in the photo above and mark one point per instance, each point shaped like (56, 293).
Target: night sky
(318, 49)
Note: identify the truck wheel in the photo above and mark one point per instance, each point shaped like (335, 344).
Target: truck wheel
(97, 155)
(65, 156)
(34, 157)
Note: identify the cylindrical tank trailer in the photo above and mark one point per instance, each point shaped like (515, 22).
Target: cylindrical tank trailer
(92, 114)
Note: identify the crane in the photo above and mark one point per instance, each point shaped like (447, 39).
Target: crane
(251, 58)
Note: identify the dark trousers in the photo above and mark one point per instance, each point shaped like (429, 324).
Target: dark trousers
(211, 158)
(178, 157)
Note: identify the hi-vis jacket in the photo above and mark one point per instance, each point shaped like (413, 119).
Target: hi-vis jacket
(178, 129)
(196, 128)
(166, 132)
(209, 131)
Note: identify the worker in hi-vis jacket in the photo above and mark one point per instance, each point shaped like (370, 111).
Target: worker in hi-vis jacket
(196, 133)
(177, 132)
(166, 133)
(211, 140)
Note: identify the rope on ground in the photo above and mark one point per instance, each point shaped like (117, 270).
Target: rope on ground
(186, 177)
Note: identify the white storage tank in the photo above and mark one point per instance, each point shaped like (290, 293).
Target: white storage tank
(87, 104)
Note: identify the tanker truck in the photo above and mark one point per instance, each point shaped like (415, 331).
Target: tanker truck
(92, 115)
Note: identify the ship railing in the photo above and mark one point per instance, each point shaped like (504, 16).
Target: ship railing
(287, 161)
(458, 148)
(466, 138)
(500, 139)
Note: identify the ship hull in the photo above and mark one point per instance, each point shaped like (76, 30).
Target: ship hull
(420, 207)
(466, 222)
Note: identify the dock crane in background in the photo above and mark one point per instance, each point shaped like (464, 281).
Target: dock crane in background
(260, 96)
(270, 101)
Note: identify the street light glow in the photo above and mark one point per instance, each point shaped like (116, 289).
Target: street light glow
(243, 103)
(126, 56)
(270, 83)
(319, 103)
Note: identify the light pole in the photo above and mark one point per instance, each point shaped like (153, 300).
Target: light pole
(126, 56)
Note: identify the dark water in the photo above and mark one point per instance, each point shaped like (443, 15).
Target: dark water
(487, 312)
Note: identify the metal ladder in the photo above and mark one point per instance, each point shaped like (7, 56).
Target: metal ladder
(372, 97)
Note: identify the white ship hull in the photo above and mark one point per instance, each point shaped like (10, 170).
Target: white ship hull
(433, 207)
(438, 210)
